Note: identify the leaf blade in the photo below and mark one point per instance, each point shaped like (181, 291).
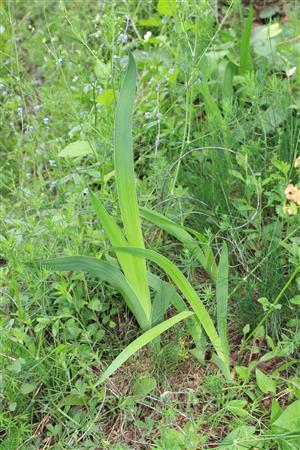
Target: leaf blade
(190, 294)
(141, 341)
(128, 263)
(104, 271)
(76, 149)
(180, 233)
(125, 178)
(222, 295)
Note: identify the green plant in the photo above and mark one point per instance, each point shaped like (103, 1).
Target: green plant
(133, 283)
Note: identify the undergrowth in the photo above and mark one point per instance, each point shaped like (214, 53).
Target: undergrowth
(216, 142)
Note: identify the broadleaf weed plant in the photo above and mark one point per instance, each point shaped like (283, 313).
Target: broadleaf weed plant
(133, 279)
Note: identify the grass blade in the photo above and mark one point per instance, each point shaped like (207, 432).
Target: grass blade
(206, 259)
(125, 180)
(245, 55)
(141, 341)
(222, 296)
(188, 291)
(105, 272)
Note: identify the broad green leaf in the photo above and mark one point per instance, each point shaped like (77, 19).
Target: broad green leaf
(75, 149)
(273, 117)
(141, 341)
(73, 400)
(206, 259)
(241, 438)
(289, 420)
(243, 373)
(102, 70)
(266, 32)
(237, 407)
(167, 7)
(125, 179)
(190, 294)
(105, 272)
(276, 410)
(128, 263)
(222, 296)
(171, 439)
(106, 97)
(295, 300)
(265, 383)
(245, 55)
(27, 388)
(17, 365)
(153, 21)
(144, 385)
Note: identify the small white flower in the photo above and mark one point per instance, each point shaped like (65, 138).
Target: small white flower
(20, 110)
(28, 175)
(147, 36)
(290, 72)
(158, 116)
(12, 125)
(37, 108)
(59, 62)
(85, 192)
(171, 71)
(81, 114)
(4, 93)
(46, 120)
(52, 163)
(100, 90)
(2, 86)
(147, 115)
(123, 37)
(74, 79)
(87, 88)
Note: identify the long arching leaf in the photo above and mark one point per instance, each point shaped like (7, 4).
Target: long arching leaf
(205, 257)
(105, 272)
(141, 341)
(188, 291)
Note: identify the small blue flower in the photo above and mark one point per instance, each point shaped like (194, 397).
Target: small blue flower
(148, 115)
